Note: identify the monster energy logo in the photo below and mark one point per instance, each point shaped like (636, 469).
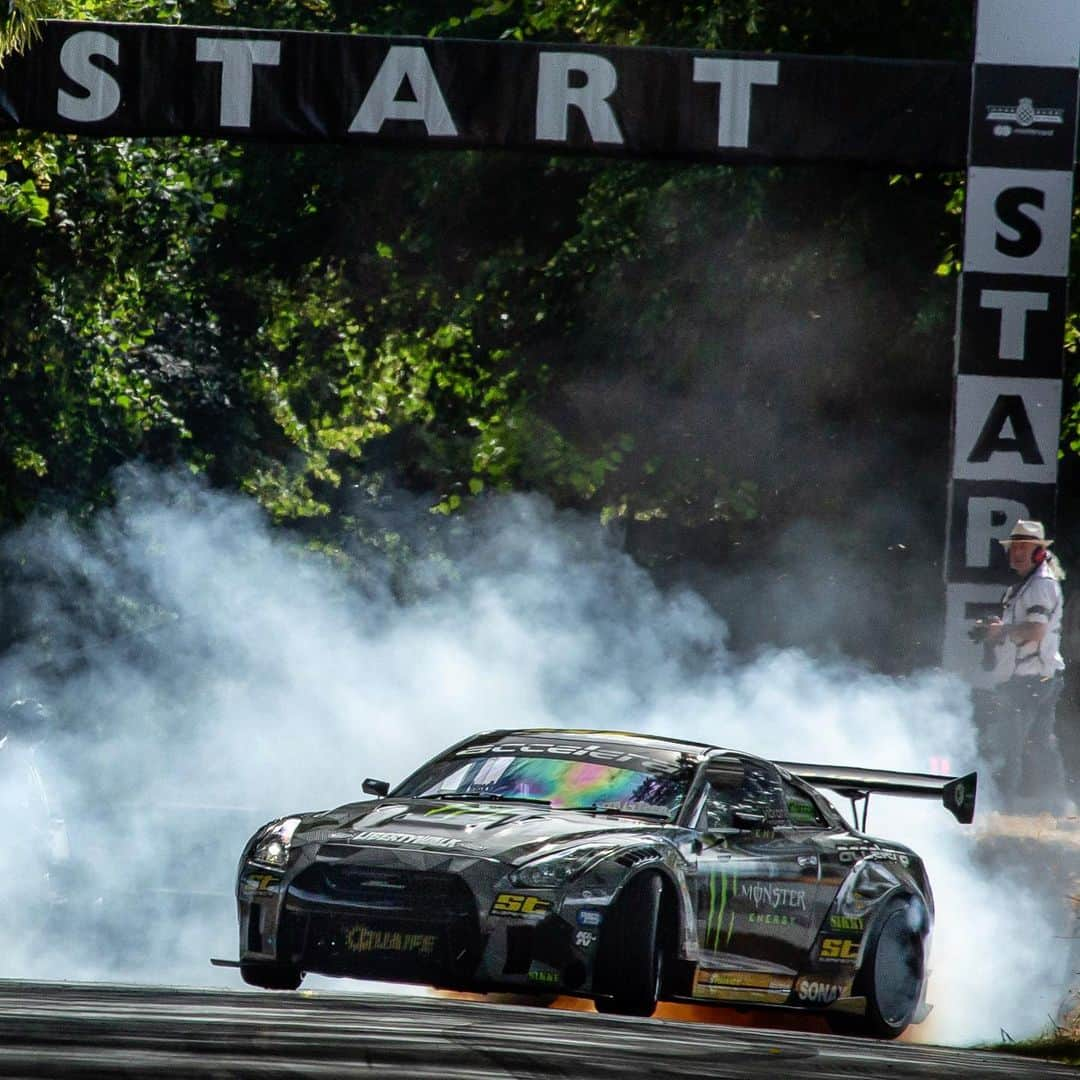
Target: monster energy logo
(773, 896)
(726, 891)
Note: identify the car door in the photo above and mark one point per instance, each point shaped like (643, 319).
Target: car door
(756, 878)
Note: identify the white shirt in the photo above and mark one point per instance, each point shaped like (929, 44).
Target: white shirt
(1036, 599)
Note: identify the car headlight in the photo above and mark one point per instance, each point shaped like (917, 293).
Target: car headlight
(551, 871)
(272, 846)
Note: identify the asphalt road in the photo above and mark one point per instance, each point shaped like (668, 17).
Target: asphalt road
(79, 1030)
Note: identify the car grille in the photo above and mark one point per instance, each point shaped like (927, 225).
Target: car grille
(387, 890)
(386, 923)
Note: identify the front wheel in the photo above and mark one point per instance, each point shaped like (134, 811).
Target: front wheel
(892, 974)
(272, 976)
(630, 967)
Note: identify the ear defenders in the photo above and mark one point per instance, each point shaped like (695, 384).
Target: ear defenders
(1039, 555)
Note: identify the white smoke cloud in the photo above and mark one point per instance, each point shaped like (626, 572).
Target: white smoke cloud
(210, 675)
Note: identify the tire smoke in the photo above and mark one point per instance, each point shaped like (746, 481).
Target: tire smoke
(207, 674)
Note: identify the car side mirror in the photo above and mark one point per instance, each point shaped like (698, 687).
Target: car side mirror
(748, 820)
(379, 788)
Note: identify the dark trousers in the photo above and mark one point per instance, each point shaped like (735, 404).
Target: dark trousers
(1018, 732)
(1068, 730)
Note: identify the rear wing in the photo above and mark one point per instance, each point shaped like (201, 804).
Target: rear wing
(957, 793)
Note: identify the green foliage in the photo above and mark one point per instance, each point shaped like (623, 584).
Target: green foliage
(295, 320)
(108, 237)
(18, 25)
(911, 28)
(19, 22)
(1055, 1043)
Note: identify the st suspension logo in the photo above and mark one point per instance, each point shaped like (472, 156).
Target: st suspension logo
(1024, 118)
(518, 904)
(261, 885)
(839, 949)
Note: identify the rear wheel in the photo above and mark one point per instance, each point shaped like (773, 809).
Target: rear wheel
(630, 968)
(272, 976)
(892, 974)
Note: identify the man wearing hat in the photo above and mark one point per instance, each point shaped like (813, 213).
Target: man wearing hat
(1023, 649)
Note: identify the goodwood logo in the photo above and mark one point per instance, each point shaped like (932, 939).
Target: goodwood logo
(1024, 118)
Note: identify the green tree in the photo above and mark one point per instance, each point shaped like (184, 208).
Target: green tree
(652, 342)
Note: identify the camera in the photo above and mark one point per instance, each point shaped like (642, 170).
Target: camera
(979, 631)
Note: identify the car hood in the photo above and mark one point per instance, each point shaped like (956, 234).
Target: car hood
(503, 831)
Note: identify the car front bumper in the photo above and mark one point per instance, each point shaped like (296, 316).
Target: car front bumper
(451, 923)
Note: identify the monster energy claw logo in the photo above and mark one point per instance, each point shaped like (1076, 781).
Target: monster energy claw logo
(714, 921)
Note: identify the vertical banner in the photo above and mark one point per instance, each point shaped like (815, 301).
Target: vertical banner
(1012, 299)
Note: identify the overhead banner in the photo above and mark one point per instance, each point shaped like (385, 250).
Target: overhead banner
(1012, 300)
(1010, 118)
(133, 79)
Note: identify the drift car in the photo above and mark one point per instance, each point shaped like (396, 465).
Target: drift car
(620, 867)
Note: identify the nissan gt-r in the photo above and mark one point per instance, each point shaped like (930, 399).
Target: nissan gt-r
(624, 868)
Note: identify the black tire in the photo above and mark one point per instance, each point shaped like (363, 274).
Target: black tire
(630, 967)
(272, 976)
(891, 975)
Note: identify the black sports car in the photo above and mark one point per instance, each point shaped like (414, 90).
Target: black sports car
(625, 868)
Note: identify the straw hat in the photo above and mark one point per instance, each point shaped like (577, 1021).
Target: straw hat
(1028, 531)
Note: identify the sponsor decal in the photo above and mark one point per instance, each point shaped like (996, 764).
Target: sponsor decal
(583, 939)
(363, 939)
(858, 852)
(417, 839)
(543, 975)
(771, 918)
(1024, 118)
(610, 755)
(773, 896)
(725, 891)
(589, 917)
(960, 795)
(846, 922)
(839, 949)
(758, 979)
(740, 985)
(631, 807)
(261, 885)
(818, 991)
(802, 811)
(519, 904)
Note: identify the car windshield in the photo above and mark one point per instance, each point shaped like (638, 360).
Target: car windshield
(566, 783)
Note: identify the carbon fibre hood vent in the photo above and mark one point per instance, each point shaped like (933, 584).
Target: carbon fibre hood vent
(637, 856)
